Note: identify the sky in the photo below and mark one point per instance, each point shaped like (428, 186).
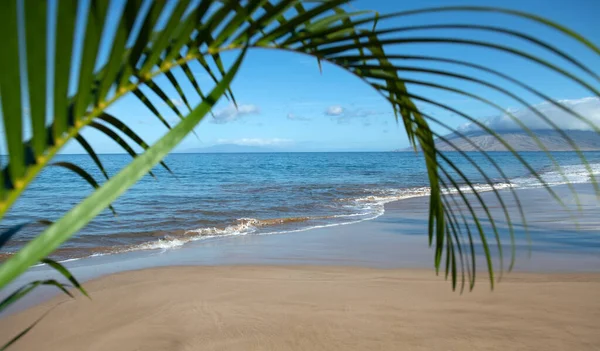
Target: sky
(286, 103)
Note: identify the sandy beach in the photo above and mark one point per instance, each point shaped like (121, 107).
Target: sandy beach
(299, 175)
(368, 285)
(316, 308)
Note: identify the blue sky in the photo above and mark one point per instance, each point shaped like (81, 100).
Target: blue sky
(286, 103)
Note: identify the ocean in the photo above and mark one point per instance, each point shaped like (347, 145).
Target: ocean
(215, 195)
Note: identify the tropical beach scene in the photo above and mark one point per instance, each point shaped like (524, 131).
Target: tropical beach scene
(299, 175)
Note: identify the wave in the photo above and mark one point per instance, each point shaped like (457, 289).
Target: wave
(364, 204)
(368, 208)
(574, 174)
(243, 226)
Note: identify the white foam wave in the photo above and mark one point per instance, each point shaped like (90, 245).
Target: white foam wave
(350, 215)
(366, 208)
(244, 226)
(574, 174)
(164, 243)
(384, 196)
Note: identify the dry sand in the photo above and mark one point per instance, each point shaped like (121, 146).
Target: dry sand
(316, 308)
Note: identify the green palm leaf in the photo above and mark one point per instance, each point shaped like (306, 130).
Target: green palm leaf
(143, 50)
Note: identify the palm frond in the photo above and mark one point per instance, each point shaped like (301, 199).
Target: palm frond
(29, 287)
(8, 233)
(83, 174)
(81, 214)
(340, 43)
(26, 289)
(90, 150)
(24, 332)
(65, 273)
(143, 51)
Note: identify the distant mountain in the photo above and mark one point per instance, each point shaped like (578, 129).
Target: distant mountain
(230, 148)
(521, 141)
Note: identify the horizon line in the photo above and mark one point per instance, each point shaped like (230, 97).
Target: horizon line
(313, 152)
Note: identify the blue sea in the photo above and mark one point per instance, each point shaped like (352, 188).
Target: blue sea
(215, 195)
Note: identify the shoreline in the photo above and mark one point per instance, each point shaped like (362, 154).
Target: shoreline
(367, 285)
(365, 207)
(397, 239)
(386, 202)
(314, 307)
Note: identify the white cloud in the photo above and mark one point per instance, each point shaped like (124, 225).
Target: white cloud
(293, 117)
(586, 107)
(230, 113)
(335, 110)
(256, 141)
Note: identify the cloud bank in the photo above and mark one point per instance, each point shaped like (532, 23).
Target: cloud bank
(230, 113)
(587, 107)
